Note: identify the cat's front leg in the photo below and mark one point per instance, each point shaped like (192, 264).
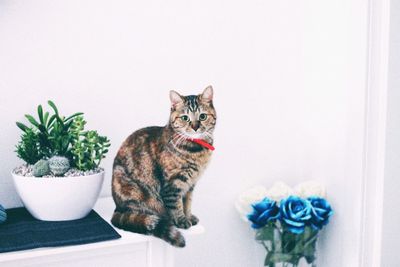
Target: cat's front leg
(187, 207)
(172, 195)
(179, 217)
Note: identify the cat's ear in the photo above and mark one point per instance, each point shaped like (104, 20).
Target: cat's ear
(175, 98)
(207, 95)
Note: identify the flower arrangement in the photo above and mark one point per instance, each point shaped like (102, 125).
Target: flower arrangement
(55, 145)
(286, 220)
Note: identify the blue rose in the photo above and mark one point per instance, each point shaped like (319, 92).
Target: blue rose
(295, 212)
(263, 212)
(320, 212)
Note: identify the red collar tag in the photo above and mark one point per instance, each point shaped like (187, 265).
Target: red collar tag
(202, 143)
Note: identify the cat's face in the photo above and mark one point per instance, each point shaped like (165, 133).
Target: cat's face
(193, 116)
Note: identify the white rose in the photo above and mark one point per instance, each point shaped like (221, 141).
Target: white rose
(248, 197)
(310, 188)
(279, 191)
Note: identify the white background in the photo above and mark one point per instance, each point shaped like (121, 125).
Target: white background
(391, 215)
(289, 80)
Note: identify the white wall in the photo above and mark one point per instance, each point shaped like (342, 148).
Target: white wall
(289, 79)
(391, 215)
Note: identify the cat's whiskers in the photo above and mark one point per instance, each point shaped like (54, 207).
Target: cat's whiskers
(171, 142)
(209, 135)
(174, 140)
(177, 140)
(180, 140)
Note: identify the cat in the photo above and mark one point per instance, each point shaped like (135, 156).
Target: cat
(157, 168)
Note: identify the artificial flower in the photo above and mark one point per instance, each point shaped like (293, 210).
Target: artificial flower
(247, 198)
(310, 189)
(263, 212)
(295, 212)
(320, 212)
(279, 191)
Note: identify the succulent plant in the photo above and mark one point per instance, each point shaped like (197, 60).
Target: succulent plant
(53, 134)
(48, 135)
(89, 150)
(59, 165)
(41, 168)
(28, 148)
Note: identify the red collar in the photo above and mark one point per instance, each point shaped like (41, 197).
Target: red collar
(202, 143)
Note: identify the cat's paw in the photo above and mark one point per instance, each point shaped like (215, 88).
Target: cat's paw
(183, 223)
(193, 219)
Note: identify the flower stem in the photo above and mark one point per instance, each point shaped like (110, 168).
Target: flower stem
(265, 246)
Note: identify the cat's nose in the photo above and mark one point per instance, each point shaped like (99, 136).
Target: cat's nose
(195, 125)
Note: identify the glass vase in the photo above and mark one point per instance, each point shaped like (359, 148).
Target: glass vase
(286, 248)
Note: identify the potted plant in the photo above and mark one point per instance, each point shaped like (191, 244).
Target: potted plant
(61, 178)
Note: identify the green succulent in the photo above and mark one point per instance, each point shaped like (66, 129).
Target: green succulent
(50, 132)
(28, 147)
(54, 135)
(59, 165)
(88, 149)
(41, 168)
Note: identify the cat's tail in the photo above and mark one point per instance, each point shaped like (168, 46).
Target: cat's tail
(150, 225)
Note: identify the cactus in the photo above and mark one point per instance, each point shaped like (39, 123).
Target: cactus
(41, 168)
(58, 165)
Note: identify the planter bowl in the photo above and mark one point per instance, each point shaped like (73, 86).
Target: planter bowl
(59, 198)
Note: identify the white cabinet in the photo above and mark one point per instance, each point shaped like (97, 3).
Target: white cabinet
(131, 250)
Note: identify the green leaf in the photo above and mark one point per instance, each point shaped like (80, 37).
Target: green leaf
(60, 121)
(309, 234)
(265, 233)
(22, 126)
(295, 260)
(267, 261)
(53, 106)
(27, 149)
(51, 120)
(42, 128)
(298, 248)
(40, 113)
(310, 259)
(32, 120)
(276, 257)
(46, 116)
(73, 116)
(310, 243)
(67, 126)
(288, 241)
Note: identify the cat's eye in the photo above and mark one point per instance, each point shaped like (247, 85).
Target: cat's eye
(185, 118)
(203, 117)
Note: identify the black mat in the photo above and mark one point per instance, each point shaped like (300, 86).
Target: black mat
(21, 231)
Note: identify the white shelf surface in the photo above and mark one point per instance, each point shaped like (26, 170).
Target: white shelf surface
(104, 207)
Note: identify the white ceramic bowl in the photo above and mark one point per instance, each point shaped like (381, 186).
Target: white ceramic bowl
(61, 198)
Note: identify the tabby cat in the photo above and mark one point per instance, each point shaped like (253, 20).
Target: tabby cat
(157, 168)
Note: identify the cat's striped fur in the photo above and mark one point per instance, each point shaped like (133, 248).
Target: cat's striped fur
(156, 170)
